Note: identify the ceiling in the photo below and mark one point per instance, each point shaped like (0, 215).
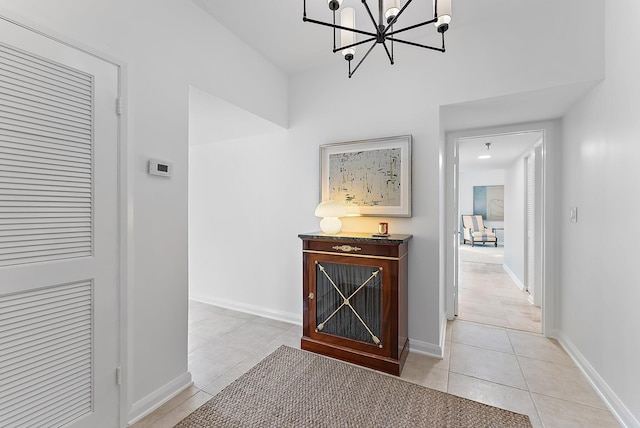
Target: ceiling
(275, 28)
(504, 150)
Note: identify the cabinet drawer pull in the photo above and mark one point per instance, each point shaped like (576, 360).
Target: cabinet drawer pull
(346, 248)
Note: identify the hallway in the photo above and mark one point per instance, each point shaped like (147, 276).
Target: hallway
(487, 295)
(521, 372)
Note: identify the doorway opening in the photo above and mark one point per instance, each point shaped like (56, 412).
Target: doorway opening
(493, 286)
(219, 280)
(504, 284)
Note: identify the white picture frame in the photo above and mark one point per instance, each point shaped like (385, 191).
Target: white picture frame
(373, 174)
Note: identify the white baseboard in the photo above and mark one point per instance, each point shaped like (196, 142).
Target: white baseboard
(430, 349)
(514, 277)
(157, 398)
(416, 346)
(615, 405)
(443, 333)
(250, 309)
(426, 348)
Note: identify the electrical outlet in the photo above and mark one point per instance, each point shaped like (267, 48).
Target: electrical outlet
(573, 215)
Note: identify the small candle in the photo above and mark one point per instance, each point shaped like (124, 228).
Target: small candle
(383, 228)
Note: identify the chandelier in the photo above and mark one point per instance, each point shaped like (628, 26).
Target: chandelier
(389, 12)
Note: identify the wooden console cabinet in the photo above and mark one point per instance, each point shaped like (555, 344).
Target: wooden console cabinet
(355, 298)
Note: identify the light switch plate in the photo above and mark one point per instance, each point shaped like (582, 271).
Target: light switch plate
(573, 215)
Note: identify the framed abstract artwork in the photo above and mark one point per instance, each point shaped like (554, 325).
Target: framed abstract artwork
(374, 175)
(488, 201)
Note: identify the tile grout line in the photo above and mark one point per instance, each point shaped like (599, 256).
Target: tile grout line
(535, 406)
(486, 349)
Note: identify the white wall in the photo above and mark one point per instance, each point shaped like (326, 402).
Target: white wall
(166, 45)
(599, 292)
(244, 220)
(468, 178)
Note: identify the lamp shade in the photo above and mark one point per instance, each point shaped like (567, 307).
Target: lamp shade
(443, 13)
(331, 209)
(391, 9)
(348, 19)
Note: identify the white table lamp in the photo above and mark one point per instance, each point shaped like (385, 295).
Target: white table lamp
(331, 211)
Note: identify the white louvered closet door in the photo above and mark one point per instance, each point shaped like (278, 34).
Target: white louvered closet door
(59, 312)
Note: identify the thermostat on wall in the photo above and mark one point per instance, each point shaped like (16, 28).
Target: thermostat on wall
(162, 168)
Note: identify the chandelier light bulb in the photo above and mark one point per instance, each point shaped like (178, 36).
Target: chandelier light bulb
(391, 9)
(443, 13)
(348, 19)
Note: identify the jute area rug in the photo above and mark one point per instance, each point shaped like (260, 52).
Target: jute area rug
(294, 388)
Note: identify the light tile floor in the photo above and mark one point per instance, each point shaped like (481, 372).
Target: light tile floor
(514, 370)
(488, 295)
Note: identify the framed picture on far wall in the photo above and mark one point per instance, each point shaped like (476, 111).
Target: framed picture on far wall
(488, 201)
(374, 174)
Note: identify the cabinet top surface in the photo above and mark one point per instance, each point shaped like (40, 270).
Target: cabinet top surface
(357, 236)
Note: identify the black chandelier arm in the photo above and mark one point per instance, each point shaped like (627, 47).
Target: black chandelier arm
(354, 44)
(392, 62)
(387, 50)
(340, 27)
(373, 20)
(395, 19)
(422, 24)
(334, 31)
(373, 45)
(417, 44)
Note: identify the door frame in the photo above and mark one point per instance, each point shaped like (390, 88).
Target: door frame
(124, 197)
(547, 234)
(534, 282)
(527, 223)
